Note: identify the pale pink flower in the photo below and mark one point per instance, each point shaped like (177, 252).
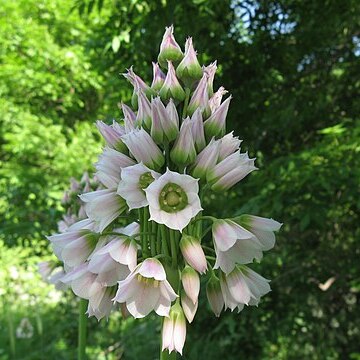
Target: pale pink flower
(210, 71)
(112, 135)
(197, 130)
(134, 180)
(143, 117)
(215, 125)
(101, 305)
(193, 253)
(129, 118)
(228, 145)
(173, 199)
(200, 98)
(174, 330)
(158, 77)
(172, 87)
(169, 48)
(214, 295)
(215, 100)
(189, 307)
(191, 283)
(109, 167)
(146, 289)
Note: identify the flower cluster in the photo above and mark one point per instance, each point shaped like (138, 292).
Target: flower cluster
(170, 150)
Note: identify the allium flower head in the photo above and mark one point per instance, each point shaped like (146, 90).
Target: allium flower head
(146, 289)
(173, 200)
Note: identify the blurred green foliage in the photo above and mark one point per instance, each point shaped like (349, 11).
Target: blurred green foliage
(293, 68)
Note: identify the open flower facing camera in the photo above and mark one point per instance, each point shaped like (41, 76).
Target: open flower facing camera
(143, 241)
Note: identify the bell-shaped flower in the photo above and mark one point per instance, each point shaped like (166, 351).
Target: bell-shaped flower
(215, 100)
(171, 87)
(158, 77)
(134, 179)
(144, 149)
(174, 330)
(74, 247)
(197, 130)
(243, 286)
(189, 69)
(228, 145)
(86, 224)
(193, 253)
(103, 207)
(261, 227)
(189, 307)
(214, 295)
(109, 167)
(191, 283)
(112, 135)
(165, 121)
(210, 71)
(129, 118)
(183, 152)
(215, 125)
(234, 245)
(173, 200)
(101, 305)
(206, 160)
(230, 171)
(146, 289)
(169, 48)
(200, 98)
(143, 117)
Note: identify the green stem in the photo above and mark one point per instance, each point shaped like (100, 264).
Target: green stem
(167, 154)
(153, 238)
(186, 103)
(82, 330)
(146, 230)
(164, 245)
(173, 248)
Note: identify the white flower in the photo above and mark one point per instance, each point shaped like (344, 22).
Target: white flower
(191, 283)
(193, 253)
(109, 167)
(234, 244)
(188, 306)
(101, 305)
(173, 200)
(103, 207)
(146, 289)
(134, 179)
(261, 227)
(174, 330)
(243, 286)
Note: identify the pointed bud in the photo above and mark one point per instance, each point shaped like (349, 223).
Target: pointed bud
(210, 71)
(129, 118)
(174, 330)
(191, 283)
(158, 77)
(171, 87)
(143, 117)
(200, 98)
(169, 48)
(206, 160)
(228, 145)
(165, 124)
(215, 100)
(183, 152)
(144, 149)
(189, 70)
(193, 253)
(214, 295)
(215, 125)
(112, 135)
(188, 306)
(197, 130)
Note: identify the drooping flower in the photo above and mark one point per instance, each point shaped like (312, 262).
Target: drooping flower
(215, 125)
(174, 330)
(158, 77)
(206, 160)
(101, 305)
(144, 149)
(146, 289)
(193, 253)
(234, 245)
(200, 98)
(189, 307)
(261, 227)
(214, 295)
(230, 171)
(191, 283)
(73, 247)
(189, 69)
(171, 87)
(134, 179)
(173, 200)
(112, 135)
(243, 286)
(183, 152)
(103, 207)
(109, 167)
(165, 121)
(169, 48)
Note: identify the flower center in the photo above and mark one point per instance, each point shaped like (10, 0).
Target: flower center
(145, 180)
(172, 198)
